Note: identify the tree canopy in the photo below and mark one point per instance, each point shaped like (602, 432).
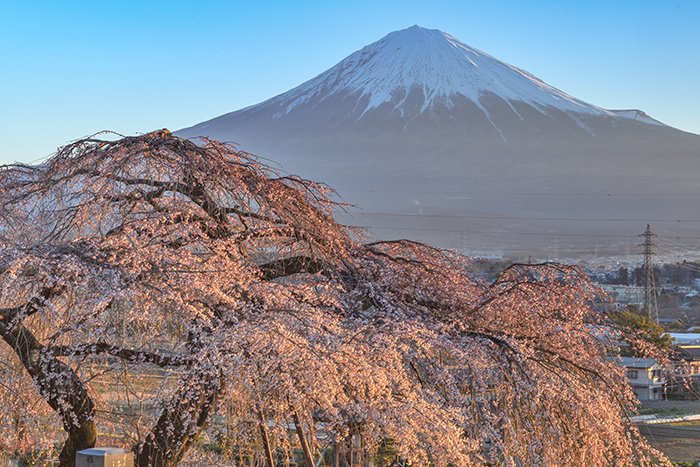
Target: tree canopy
(647, 334)
(153, 287)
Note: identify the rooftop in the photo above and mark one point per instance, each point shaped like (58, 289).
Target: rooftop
(635, 362)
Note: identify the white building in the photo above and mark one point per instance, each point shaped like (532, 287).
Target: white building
(645, 376)
(685, 338)
(624, 294)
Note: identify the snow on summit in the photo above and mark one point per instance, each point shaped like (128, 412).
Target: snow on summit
(438, 65)
(418, 74)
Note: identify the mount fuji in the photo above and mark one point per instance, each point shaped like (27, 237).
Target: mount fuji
(435, 140)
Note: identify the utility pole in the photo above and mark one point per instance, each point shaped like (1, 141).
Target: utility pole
(650, 306)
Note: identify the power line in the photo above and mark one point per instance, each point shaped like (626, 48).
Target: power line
(671, 241)
(686, 267)
(542, 234)
(534, 218)
(508, 193)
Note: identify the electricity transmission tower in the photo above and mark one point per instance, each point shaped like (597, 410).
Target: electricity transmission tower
(650, 306)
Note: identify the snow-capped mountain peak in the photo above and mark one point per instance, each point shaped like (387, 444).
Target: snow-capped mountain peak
(437, 65)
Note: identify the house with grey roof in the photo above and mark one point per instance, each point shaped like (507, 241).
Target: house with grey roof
(646, 377)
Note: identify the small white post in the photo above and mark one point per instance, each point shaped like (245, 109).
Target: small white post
(104, 457)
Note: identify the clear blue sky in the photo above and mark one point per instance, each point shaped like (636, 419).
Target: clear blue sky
(68, 69)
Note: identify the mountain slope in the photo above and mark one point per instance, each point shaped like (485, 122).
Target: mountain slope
(410, 123)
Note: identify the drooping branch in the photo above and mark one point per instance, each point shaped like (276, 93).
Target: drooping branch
(128, 355)
(13, 315)
(253, 215)
(292, 265)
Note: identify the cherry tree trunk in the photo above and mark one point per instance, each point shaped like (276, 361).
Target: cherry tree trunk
(181, 421)
(60, 386)
(308, 456)
(269, 459)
